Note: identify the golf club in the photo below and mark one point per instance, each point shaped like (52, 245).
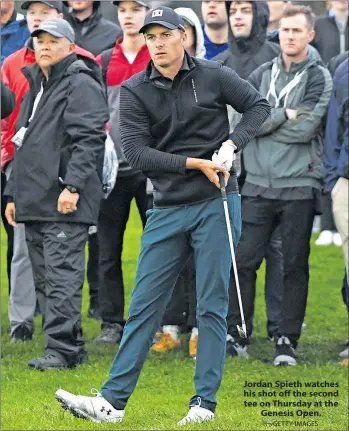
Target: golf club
(241, 329)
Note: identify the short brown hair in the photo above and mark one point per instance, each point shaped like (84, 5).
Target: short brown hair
(300, 10)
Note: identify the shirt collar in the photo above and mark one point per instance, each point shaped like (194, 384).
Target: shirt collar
(155, 74)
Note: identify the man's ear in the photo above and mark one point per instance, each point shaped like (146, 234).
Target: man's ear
(72, 47)
(184, 37)
(60, 16)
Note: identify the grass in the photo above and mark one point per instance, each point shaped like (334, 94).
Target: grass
(166, 382)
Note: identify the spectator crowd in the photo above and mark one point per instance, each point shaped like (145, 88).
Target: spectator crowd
(63, 66)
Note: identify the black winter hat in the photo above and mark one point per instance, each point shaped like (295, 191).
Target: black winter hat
(52, 4)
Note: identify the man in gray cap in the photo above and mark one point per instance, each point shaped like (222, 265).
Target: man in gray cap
(55, 188)
(22, 300)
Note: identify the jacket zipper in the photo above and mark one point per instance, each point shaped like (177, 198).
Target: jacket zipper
(176, 93)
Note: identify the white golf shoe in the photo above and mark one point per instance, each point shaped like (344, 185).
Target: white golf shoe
(196, 415)
(96, 409)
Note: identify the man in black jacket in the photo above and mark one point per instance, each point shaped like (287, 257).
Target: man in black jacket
(248, 43)
(332, 31)
(55, 188)
(173, 146)
(336, 62)
(92, 32)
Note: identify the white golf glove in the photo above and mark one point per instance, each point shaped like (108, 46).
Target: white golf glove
(226, 155)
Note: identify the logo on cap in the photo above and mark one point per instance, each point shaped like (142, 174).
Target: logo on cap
(51, 25)
(157, 12)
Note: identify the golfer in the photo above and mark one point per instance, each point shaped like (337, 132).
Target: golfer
(173, 118)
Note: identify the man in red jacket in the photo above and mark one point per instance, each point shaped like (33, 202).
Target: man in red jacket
(22, 296)
(129, 56)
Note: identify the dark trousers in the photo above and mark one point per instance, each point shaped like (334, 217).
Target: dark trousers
(57, 254)
(259, 219)
(93, 269)
(114, 214)
(327, 220)
(273, 286)
(181, 310)
(8, 229)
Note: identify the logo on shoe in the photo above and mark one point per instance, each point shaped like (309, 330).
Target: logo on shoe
(104, 410)
(61, 235)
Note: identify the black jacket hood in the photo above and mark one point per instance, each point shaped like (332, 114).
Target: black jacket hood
(258, 32)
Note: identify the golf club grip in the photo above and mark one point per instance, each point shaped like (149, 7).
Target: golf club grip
(222, 185)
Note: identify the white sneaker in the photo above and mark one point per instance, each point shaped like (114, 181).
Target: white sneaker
(196, 415)
(337, 240)
(97, 409)
(285, 354)
(325, 238)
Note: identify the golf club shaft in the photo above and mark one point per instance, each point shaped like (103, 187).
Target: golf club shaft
(230, 236)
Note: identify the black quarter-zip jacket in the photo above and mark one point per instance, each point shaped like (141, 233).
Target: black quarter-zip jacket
(65, 138)
(161, 127)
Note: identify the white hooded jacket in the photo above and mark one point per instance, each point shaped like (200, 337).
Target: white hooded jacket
(200, 50)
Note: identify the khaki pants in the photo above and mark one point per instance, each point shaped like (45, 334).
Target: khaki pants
(340, 208)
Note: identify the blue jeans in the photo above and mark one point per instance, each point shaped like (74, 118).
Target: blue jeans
(168, 237)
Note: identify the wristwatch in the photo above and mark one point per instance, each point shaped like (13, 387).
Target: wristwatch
(72, 189)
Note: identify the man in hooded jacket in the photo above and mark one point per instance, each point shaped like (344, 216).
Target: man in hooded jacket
(55, 186)
(22, 299)
(92, 32)
(248, 43)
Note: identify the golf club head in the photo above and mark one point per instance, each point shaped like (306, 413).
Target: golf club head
(242, 330)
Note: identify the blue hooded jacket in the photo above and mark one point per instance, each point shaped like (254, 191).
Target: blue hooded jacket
(336, 151)
(13, 36)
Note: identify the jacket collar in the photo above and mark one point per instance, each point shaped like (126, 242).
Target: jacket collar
(142, 54)
(295, 67)
(91, 21)
(13, 17)
(188, 64)
(57, 71)
(154, 74)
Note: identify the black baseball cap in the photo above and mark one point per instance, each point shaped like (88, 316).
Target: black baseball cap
(56, 27)
(141, 3)
(52, 4)
(164, 16)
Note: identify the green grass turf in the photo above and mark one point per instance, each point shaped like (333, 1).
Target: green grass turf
(166, 382)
